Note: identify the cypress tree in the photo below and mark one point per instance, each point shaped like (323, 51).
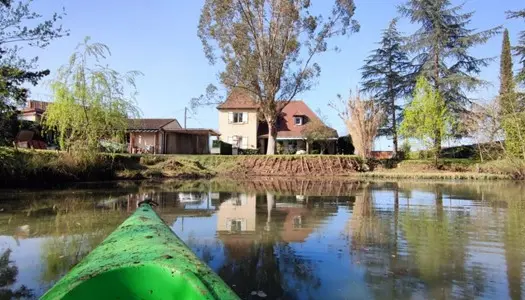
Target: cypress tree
(506, 90)
(441, 48)
(386, 76)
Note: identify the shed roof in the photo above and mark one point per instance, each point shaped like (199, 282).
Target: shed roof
(148, 124)
(196, 131)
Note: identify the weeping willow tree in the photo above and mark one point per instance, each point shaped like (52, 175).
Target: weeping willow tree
(91, 101)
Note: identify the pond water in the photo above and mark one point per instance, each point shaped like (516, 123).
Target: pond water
(291, 239)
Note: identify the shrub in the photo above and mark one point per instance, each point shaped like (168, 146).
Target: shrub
(249, 151)
(512, 166)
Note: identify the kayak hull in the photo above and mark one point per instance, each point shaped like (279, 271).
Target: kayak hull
(141, 259)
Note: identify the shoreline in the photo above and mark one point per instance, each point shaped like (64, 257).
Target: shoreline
(32, 168)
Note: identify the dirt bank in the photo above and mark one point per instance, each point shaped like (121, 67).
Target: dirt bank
(300, 166)
(48, 168)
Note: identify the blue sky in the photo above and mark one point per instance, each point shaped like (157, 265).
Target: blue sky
(160, 39)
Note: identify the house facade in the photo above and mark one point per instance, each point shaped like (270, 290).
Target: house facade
(241, 126)
(238, 121)
(166, 136)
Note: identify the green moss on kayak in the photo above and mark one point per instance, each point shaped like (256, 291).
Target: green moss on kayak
(141, 259)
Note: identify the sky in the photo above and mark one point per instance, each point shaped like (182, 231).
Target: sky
(159, 38)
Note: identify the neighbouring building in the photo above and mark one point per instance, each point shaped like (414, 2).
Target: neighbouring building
(33, 111)
(240, 125)
(166, 136)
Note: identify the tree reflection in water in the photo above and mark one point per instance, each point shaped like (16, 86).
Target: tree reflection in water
(404, 240)
(414, 252)
(8, 274)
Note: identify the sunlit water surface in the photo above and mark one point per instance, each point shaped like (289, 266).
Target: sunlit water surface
(289, 239)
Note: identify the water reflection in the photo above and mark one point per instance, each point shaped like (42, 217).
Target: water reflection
(8, 274)
(290, 239)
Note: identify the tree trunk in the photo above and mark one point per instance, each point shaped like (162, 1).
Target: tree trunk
(437, 134)
(272, 135)
(394, 127)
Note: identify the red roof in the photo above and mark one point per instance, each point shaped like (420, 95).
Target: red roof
(34, 106)
(239, 99)
(286, 127)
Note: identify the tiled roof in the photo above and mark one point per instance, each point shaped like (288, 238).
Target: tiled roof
(239, 99)
(148, 124)
(286, 127)
(34, 106)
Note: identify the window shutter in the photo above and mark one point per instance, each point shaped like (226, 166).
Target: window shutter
(230, 117)
(245, 117)
(245, 142)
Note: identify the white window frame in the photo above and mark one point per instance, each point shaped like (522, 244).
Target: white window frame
(298, 123)
(237, 117)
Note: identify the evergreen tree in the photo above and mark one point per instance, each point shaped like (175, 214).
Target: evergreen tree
(386, 76)
(519, 50)
(442, 51)
(19, 25)
(506, 91)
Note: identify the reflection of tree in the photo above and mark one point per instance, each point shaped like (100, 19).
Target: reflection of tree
(367, 228)
(73, 235)
(8, 273)
(60, 254)
(374, 238)
(256, 270)
(514, 244)
(437, 244)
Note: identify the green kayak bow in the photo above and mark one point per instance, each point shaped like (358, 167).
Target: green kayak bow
(141, 259)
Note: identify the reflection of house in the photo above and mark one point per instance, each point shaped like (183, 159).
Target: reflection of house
(295, 228)
(237, 214)
(190, 197)
(166, 136)
(240, 125)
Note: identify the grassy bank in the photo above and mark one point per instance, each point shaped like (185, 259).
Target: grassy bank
(44, 168)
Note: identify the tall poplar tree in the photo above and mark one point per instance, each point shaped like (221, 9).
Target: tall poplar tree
(442, 47)
(507, 99)
(268, 47)
(387, 76)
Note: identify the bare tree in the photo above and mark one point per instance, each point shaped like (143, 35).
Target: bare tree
(482, 124)
(268, 48)
(362, 118)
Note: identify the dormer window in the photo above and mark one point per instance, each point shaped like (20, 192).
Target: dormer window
(298, 121)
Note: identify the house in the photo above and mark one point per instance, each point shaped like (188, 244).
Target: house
(166, 136)
(241, 126)
(33, 111)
